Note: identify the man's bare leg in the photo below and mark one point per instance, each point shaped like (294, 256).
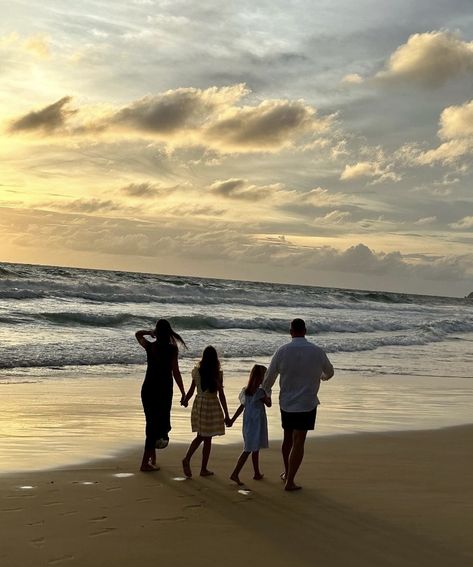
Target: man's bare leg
(286, 450)
(295, 458)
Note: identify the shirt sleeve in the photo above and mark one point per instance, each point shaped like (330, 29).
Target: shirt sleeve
(271, 373)
(327, 366)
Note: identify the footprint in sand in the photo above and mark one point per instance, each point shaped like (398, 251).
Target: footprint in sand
(98, 519)
(193, 506)
(105, 531)
(58, 560)
(38, 542)
(171, 519)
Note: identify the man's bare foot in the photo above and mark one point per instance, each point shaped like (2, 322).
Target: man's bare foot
(186, 467)
(206, 472)
(147, 467)
(258, 476)
(291, 487)
(236, 479)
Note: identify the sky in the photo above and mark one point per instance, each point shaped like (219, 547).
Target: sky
(322, 142)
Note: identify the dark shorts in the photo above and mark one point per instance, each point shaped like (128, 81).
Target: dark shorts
(299, 420)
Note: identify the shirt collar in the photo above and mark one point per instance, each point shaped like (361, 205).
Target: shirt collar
(298, 339)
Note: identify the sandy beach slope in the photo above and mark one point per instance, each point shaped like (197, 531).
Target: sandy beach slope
(387, 499)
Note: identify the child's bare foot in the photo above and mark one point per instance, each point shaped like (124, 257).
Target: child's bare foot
(236, 479)
(258, 476)
(205, 472)
(282, 476)
(186, 467)
(147, 467)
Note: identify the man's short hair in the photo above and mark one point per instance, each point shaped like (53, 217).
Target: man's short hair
(298, 325)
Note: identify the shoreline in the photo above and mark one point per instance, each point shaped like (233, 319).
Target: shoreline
(71, 420)
(374, 499)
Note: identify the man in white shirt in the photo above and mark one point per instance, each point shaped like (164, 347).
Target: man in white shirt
(300, 366)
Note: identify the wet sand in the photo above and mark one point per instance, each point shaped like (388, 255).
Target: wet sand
(377, 499)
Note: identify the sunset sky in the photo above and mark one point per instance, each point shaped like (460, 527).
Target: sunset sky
(324, 142)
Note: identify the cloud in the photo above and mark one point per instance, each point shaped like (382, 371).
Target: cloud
(272, 125)
(91, 206)
(145, 190)
(456, 128)
(38, 45)
(425, 220)
(240, 189)
(47, 120)
(179, 109)
(229, 187)
(186, 117)
(457, 122)
(464, 224)
(334, 217)
(369, 169)
(352, 79)
(429, 59)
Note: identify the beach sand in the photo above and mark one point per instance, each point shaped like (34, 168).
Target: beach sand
(381, 499)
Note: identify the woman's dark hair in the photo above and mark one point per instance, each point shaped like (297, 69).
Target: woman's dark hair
(256, 377)
(165, 334)
(209, 370)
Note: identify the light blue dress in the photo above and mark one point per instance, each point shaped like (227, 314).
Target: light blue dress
(255, 424)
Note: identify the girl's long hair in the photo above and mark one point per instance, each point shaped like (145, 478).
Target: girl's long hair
(256, 378)
(209, 370)
(165, 335)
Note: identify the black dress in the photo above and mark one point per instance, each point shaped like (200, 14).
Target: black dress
(156, 392)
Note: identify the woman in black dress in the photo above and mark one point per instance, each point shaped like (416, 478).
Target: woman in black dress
(156, 392)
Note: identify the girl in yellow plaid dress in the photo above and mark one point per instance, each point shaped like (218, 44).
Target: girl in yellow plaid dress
(209, 410)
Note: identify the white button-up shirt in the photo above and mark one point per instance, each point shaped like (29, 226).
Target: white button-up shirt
(300, 365)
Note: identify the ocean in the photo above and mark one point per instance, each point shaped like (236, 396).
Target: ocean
(71, 369)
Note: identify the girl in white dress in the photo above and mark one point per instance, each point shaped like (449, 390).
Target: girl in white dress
(255, 425)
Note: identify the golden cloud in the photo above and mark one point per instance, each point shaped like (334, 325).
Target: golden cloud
(457, 122)
(429, 59)
(456, 128)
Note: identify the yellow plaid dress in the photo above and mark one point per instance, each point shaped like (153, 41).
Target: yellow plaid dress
(207, 417)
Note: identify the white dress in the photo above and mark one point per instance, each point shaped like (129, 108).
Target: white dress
(255, 424)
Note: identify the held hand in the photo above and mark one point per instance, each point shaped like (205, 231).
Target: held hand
(228, 422)
(184, 401)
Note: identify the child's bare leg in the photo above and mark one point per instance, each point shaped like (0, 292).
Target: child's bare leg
(241, 461)
(204, 471)
(255, 459)
(186, 461)
(153, 457)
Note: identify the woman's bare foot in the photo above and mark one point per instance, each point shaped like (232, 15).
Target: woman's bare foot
(205, 472)
(258, 476)
(236, 479)
(147, 467)
(291, 487)
(186, 467)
